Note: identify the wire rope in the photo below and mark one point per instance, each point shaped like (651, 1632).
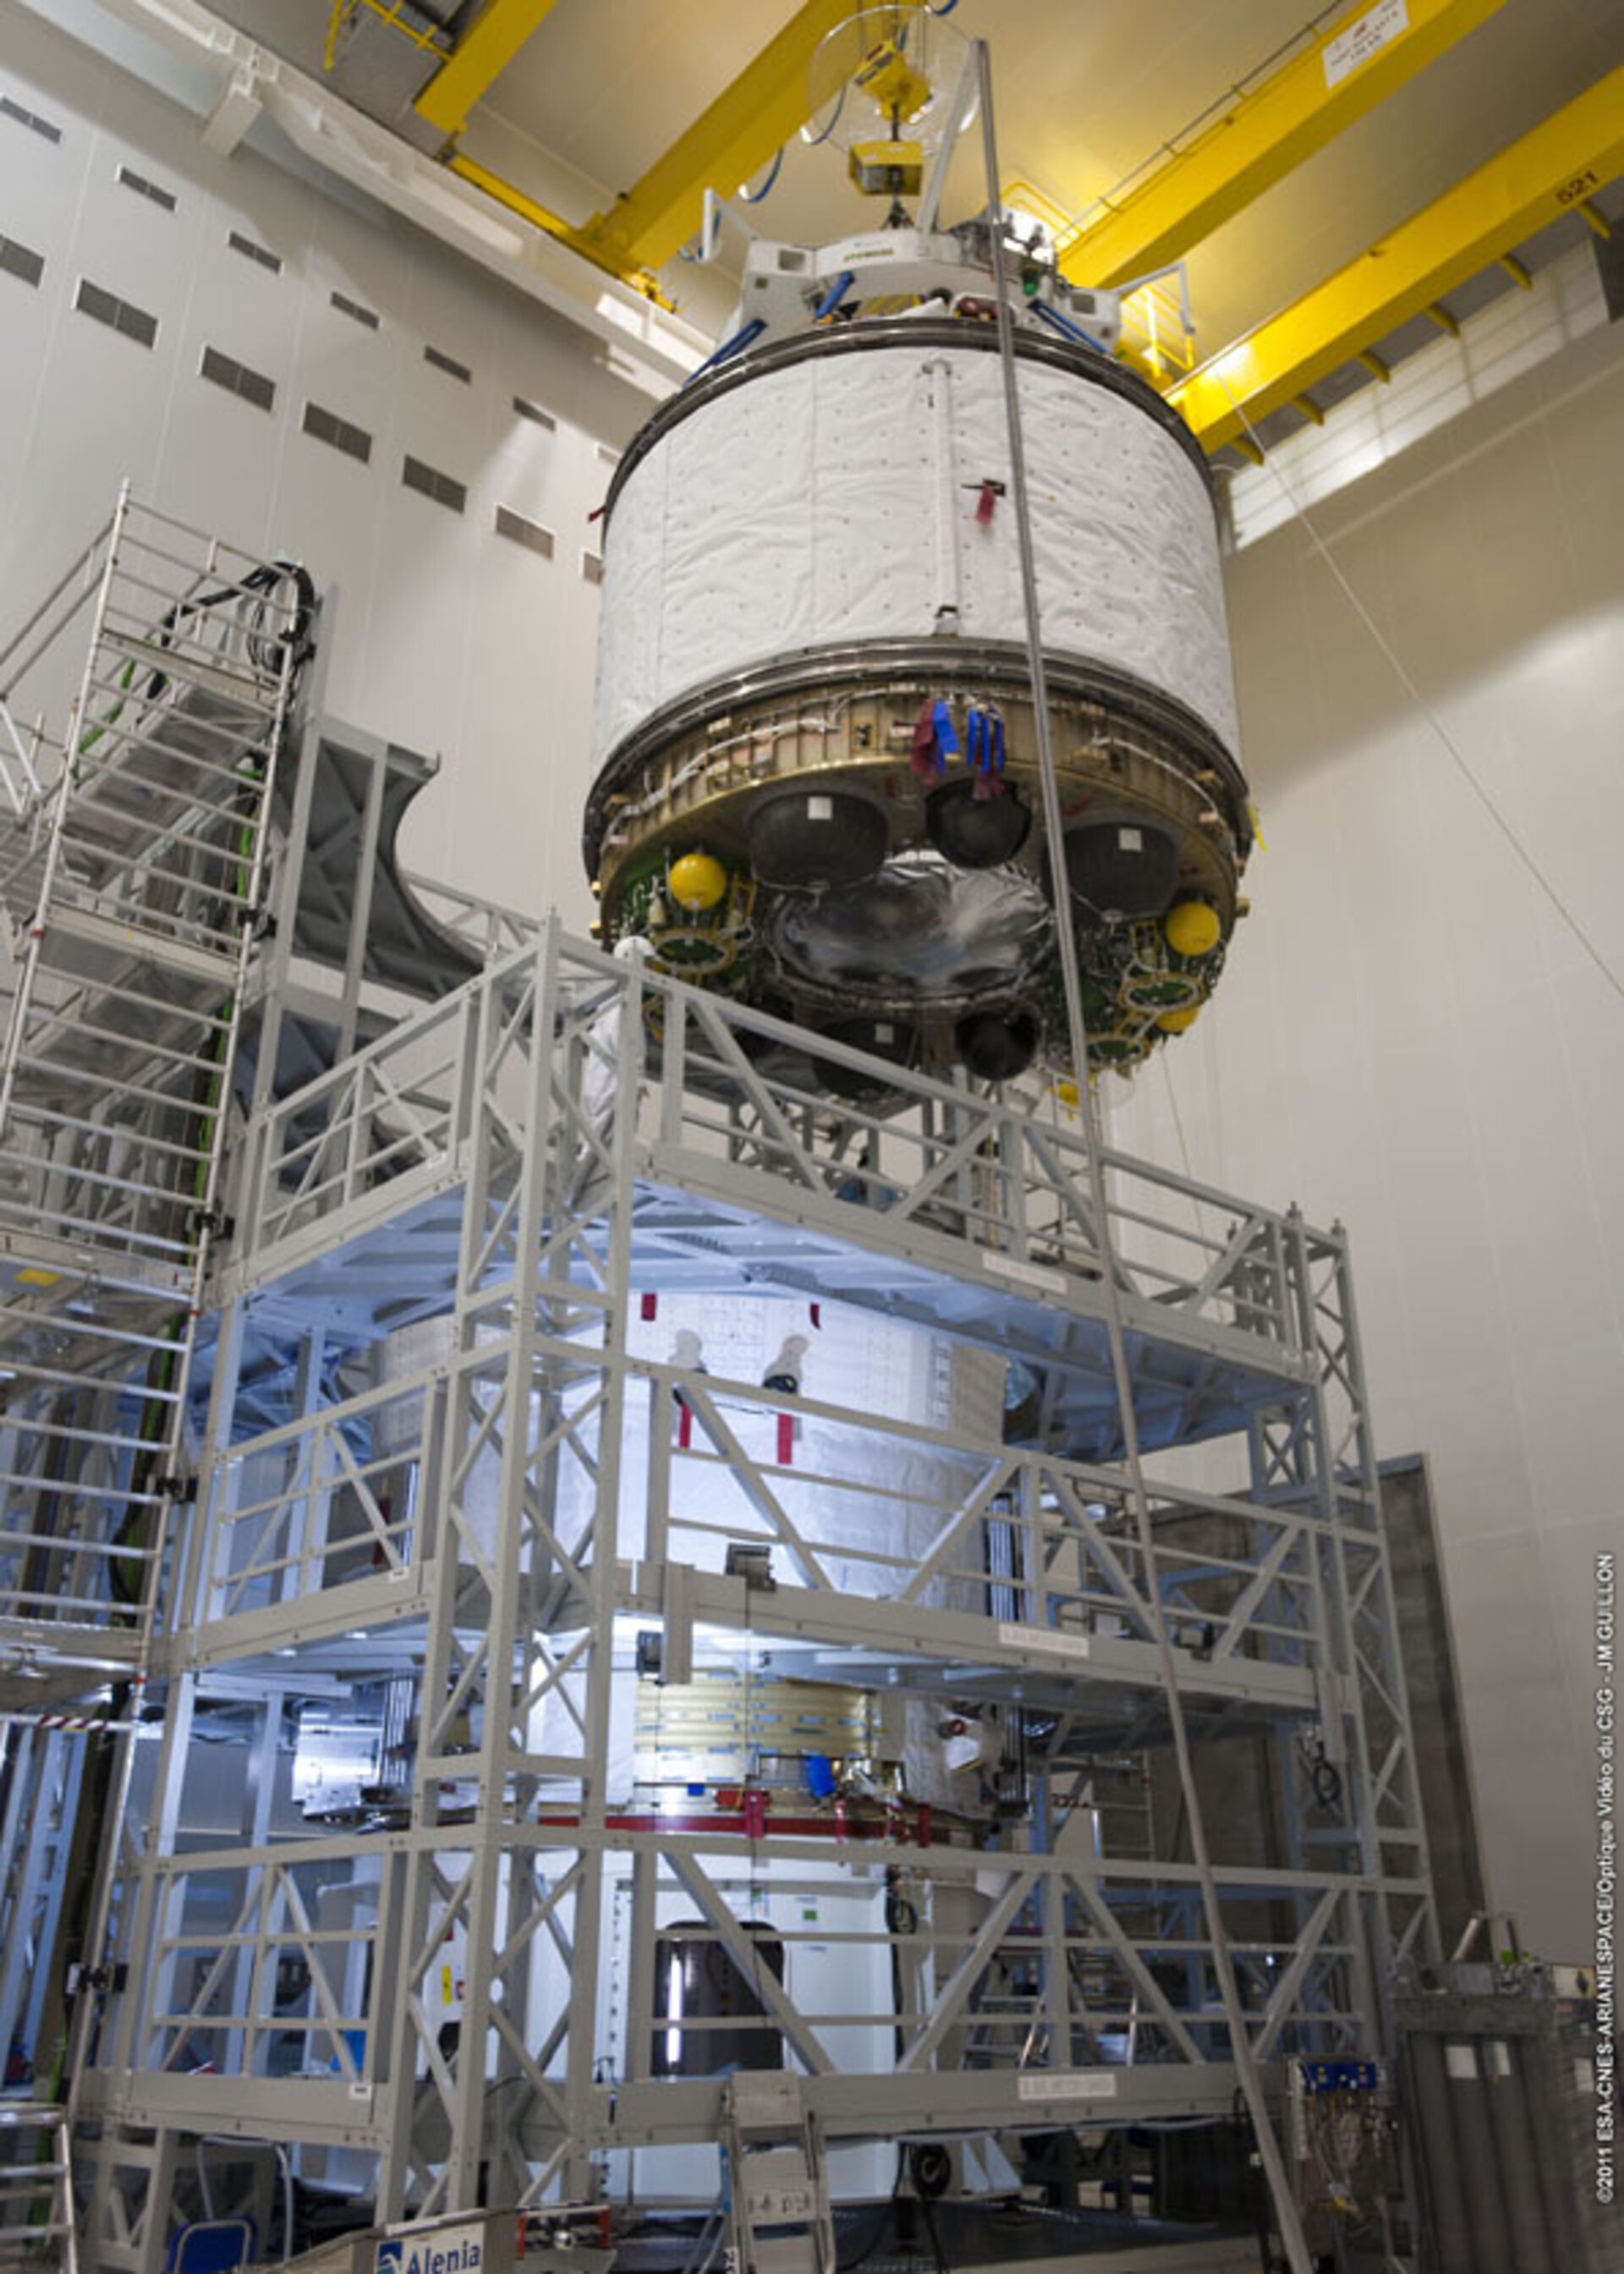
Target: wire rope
(1406, 679)
(1287, 2215)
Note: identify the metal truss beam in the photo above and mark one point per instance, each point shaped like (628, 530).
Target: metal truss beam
(1551, 170)
(1257, 142)
(479, 57)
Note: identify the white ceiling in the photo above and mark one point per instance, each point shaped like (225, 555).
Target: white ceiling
(1085, 95)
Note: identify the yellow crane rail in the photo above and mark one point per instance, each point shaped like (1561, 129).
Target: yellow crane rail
(1556, 167)
(1348, 70)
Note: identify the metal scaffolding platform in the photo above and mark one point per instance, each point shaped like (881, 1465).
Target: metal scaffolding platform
(527, 1162)
(350, 1423)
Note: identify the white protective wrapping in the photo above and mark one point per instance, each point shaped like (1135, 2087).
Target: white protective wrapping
(835, 500)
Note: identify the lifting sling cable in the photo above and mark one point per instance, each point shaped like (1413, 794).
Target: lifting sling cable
(1286, 2211)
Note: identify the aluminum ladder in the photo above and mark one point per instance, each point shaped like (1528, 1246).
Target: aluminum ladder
(777, 2187)
(143, 710)
(37, 2229)
(130, 874)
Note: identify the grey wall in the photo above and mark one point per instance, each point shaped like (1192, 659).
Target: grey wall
(1409, 1037)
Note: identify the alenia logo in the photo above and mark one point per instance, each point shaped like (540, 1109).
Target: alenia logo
(454, 2255)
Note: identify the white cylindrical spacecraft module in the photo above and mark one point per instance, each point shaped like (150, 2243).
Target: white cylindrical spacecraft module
(815, 755)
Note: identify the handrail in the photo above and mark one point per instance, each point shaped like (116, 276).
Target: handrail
(728, 1099)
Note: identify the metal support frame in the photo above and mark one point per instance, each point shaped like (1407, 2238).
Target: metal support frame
(131, 873)
(482, 1519)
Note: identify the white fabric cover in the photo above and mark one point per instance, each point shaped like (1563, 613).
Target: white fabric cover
(806, 507)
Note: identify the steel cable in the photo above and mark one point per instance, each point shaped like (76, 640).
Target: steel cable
(1286, 2212)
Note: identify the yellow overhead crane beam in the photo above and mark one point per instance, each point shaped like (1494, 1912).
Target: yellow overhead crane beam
(1554, 168)
(480, 56)
(725, 145)
(1265, 135)
(539, 216)
(749, 121)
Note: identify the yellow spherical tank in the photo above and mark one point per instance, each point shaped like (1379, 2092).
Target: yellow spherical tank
(1174, 1022)
(1192, 928)
(697, 880)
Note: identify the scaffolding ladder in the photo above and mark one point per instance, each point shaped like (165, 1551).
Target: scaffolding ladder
(131, 876)
(778, 2190)
(143, 708)
(37, 2225)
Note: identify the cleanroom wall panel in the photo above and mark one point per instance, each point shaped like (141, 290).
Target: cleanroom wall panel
(1410, 1037)
(448, 637)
